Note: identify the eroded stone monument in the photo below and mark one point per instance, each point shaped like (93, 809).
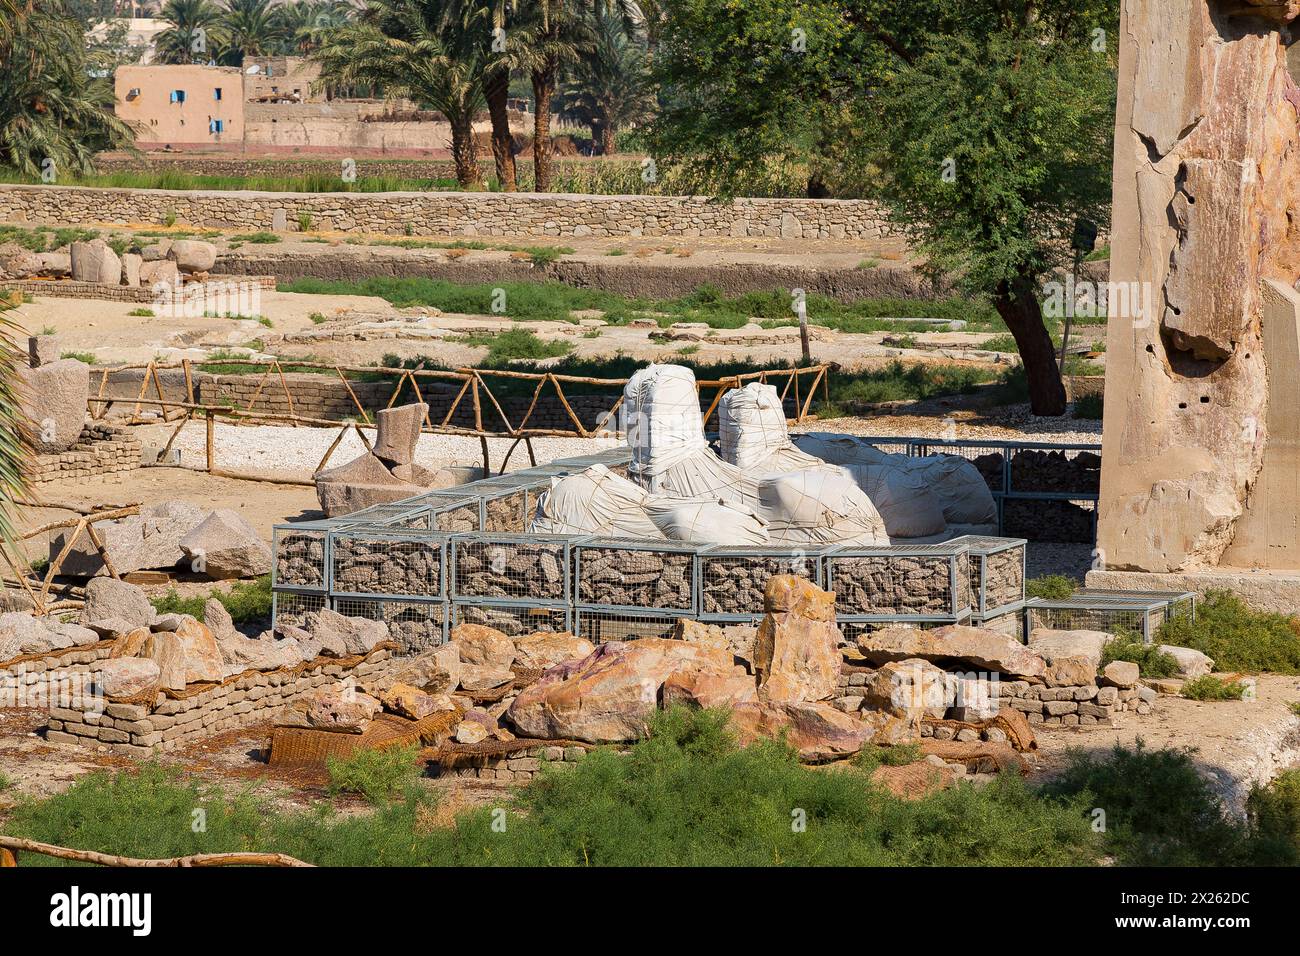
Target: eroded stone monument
(1201, 470)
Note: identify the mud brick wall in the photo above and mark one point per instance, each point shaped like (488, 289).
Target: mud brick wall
(137, 729)
(102, 450)
(145, 295)
(451, 214)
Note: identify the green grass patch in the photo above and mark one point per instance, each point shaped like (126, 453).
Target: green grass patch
(1210, 688)
(1238, 638)
(1050, 587)
(247, 601)
(142, 313)
(87, 357)
(257, 238)
(515, 344)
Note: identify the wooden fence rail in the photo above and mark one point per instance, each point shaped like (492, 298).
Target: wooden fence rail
(10, 847)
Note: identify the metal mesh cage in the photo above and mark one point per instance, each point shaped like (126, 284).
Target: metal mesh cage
(505, 507)
(451, 511)
(997, 572)
(1180, 603)
(617, 459)
(512, 620)
(1010, 621)
(1050, 519)
(1111, 614)
(600, 627)
(630, 573)
(733, 578)
(917, 583)
(989, 458)
(299, 555)
(1064, 471)
(399, 514)
(393, 562)
(414, 625)
(288, 607)
(525, 567)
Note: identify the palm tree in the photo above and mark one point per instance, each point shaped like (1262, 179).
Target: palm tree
(304, 23)
(249, 28)
(609, 88)
(420, 50)
(556, 33)
(195, 34)
(492, 19)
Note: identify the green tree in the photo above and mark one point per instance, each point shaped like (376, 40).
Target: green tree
(303, 24)
(556, 33)
(249, 28)
(984, 126)
(421, 50)
(195, 34)
(609, 87)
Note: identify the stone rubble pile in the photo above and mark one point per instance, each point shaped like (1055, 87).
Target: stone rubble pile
(96, 261)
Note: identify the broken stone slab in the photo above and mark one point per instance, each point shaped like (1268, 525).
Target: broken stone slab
(52, 397)
(1191, 662)
(816, 730)
(110, 628)
(187, 655)
(95, 261)
(413, 703)
(159, 272)
(958, 644)
(611, 694)
(341, 708)
(225, 546)
(148, 540)
(1071, 671)
(193, 255)
(1120, 674)
(127, 676)
(116, 604)
(42, 350)
(483, 646)
(545, 649)
(342, 636)
(17, 262)
(1050, 644)
(796, 650)
(21, 633)
(910, 688)
(435, 671)
(398, 432)
(131, 263)
(481, 677)
(705, 689)
(360, 483)
(57, 265)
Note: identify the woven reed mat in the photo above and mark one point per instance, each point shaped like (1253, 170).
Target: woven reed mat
(193, 690)
(1003, 757)
(308, 746)
(61, 652)
(452, 754)
(1013, 723)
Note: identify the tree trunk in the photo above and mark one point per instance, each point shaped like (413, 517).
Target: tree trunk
(543, 90)
(1020, 310)
(496, 89)
(606, 144)
(464, 154)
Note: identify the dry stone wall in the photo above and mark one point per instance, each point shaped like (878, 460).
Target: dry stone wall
(101, 450)
(452, 214)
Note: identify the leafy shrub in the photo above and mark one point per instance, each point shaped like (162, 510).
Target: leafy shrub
(142, 313)
(1238, 638)
(1151, 661)
(1274, 812)
(1210, 688)
(1159, 811)
(247, 601)
(1050, 587)
(869, 758)
(257, 238)
(517, 344)
(87, 357)
(1089, 407)
(378, 775)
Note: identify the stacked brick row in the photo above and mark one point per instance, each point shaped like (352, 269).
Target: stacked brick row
(101, 450)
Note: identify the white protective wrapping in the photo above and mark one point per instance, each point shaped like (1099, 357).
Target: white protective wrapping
(908, 507)
(841, 449)
(752, 432)
(818, 506)
(960, 487)
(670, 456)
(706, 521)
(594, 501)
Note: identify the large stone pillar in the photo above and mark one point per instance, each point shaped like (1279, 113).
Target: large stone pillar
(1199, 486)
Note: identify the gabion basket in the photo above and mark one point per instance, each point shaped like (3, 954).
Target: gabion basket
(997, 573)
(513, 620)
(910, 583)
(292, 607)
(734, 578)
(1049, 518)
(1009, 621)
(512, 568)
(1097, 612)
(398, 514)
(990, 458)
(395, 563)
(301, 560)
(1181, 603)
(632, 574)
(1062, 471)
(603, 626)
(451, 511)
(415, 625)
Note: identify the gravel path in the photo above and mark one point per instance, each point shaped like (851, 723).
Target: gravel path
(1010, 426)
